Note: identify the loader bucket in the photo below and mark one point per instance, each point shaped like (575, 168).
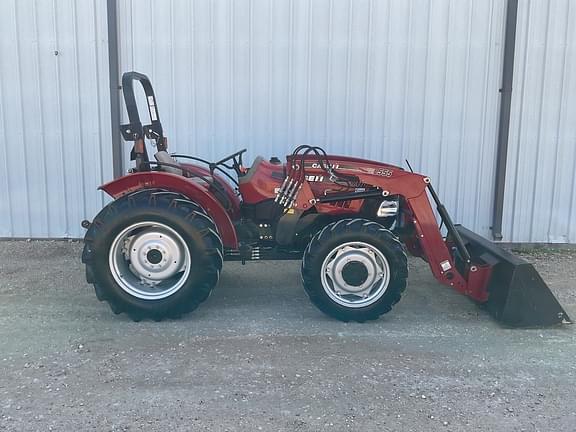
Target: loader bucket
(517, 294)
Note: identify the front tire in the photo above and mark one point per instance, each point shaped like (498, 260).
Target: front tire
(354, 270)
(152, 254)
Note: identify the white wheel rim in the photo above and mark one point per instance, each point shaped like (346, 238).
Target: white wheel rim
(355, 274)
(149, 260)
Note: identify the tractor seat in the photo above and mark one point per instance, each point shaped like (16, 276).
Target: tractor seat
(164, 157)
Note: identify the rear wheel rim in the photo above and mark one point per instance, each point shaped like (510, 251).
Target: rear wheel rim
(149, 260)
(355, 274)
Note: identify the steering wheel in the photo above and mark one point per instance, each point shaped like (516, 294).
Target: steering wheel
(236, 162)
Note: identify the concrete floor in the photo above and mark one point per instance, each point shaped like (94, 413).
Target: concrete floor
(258, 356)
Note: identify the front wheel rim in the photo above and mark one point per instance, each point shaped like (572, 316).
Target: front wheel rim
(149, 260)
(355, 274)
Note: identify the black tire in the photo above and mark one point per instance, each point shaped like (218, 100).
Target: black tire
(170, 209)
(337, 234)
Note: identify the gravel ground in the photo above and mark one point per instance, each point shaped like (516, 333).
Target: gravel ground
(258, 356)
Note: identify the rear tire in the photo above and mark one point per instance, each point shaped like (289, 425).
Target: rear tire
(152, 254)
(354, 270)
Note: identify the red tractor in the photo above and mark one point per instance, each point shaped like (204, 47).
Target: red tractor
(157, 250)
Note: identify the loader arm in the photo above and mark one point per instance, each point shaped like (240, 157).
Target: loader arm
(426, 234)
(510, 287)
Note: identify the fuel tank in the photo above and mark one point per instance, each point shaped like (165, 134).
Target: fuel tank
(261, 181)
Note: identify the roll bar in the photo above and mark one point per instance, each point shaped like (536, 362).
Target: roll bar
(134, 130)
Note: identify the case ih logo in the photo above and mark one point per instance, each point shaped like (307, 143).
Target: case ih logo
(317, 165)
(384, 172)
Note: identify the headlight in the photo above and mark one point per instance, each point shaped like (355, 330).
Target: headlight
(387, 209)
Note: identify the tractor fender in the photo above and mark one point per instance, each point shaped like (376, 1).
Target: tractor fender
(234, 210)
(175, 183)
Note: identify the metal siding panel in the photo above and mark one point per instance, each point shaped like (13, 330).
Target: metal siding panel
(54, 114)
(566, 184)
(539, 202)
(385, 80)
(16, 172)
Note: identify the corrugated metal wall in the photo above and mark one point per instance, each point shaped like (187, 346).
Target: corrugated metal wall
(540, 200)
(387, 80)
(54, 115)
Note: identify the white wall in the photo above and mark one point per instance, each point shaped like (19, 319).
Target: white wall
(54, 116)
(388, 80)
(540, 200)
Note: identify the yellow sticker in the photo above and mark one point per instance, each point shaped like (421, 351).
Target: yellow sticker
(290, 211)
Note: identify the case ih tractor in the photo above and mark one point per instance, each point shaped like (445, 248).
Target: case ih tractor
(157, 250)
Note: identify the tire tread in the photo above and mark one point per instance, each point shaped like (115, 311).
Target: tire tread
(315, 251)
(189, 211)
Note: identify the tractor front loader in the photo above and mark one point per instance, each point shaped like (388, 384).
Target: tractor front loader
(157, 250)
